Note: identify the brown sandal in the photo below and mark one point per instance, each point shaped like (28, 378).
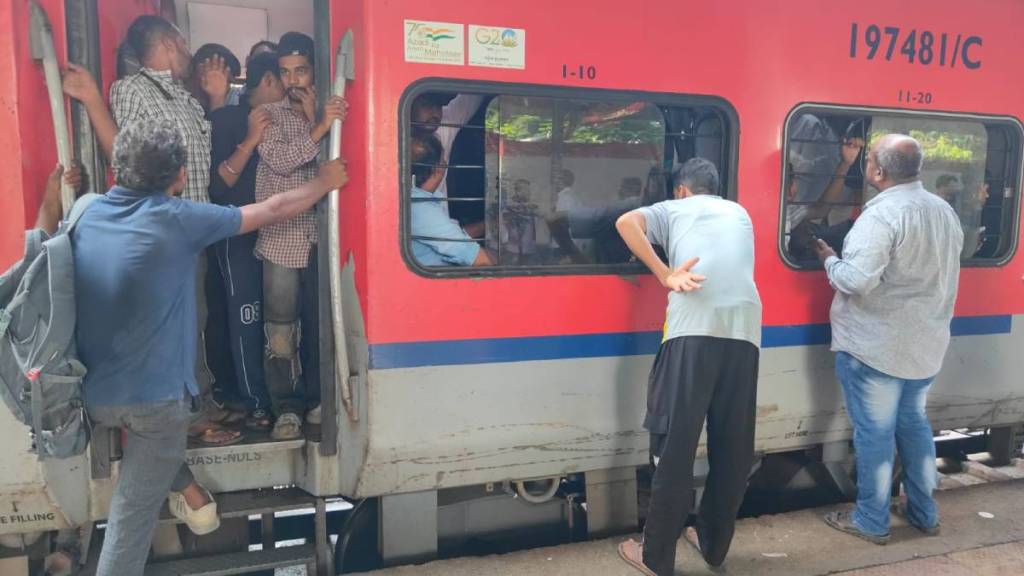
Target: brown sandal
(210, 435)
(633, 553)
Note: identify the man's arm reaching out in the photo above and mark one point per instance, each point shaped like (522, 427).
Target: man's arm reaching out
(287, 205)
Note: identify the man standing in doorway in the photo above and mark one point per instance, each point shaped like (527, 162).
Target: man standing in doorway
(237, 131)
(706, 366)
(158, 91)
(895, 285)
(288, 155)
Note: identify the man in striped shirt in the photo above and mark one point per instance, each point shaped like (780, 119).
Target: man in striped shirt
(288, 155)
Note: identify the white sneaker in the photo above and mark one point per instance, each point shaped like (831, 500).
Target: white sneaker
(313, 416)
(287, 427)
(201, 521)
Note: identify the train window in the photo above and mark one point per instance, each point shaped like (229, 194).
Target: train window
(531, 180)
(971, 162)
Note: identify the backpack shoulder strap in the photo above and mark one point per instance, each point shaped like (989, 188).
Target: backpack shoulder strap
(78, 208)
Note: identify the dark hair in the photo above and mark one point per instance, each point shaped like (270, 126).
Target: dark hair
(270, 46)
(210, 50)
(144, 32)
(148, 154)
(945, 180)
(426, 153)
(697, 174)
(568, 178)
(430, 99)
(297, 44)
(258, 67)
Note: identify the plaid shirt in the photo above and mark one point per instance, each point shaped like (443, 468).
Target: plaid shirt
(287, 160)
(154, 94)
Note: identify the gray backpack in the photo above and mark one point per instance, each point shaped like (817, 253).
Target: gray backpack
(40, 375)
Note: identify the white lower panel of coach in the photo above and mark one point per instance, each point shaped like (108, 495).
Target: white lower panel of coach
(445, 426)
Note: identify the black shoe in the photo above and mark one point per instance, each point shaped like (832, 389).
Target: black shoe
(843, 521)
(901, 511)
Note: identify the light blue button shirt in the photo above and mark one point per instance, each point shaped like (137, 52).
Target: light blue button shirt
(430, 222)
(896, 283)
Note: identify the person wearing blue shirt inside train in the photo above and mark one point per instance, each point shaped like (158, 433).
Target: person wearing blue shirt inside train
(437, 239)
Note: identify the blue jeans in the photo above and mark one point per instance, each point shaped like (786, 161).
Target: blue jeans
(153, 464)
(889, 413)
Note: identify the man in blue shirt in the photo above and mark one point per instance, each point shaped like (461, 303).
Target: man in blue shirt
(438, 240)
(136, 252)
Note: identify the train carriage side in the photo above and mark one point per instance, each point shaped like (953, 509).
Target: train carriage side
(537, 368)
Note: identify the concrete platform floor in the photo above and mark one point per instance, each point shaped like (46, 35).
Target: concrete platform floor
(799, 544)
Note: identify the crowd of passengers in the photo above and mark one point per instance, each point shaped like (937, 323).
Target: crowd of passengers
(215, 182)
(210, 175)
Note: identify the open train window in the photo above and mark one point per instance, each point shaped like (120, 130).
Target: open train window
(514, 180)
(972, 162)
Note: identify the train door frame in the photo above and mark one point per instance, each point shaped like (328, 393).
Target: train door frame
(85, 45)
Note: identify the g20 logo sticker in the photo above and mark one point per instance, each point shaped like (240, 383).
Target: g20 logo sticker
(507, 38)
(497, 47)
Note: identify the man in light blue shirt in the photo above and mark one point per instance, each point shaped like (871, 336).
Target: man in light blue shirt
(706, 366)
(437, 239)
(896, 286)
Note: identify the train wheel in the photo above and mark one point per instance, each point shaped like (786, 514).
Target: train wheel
(358, 546)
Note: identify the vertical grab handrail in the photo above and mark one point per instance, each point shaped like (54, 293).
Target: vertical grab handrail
(41, 40)
(343, 72)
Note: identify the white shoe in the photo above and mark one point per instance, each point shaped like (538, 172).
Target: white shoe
(201, 521)
(313, 416)
(287, 427)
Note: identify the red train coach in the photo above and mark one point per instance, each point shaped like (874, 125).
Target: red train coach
(534, 367)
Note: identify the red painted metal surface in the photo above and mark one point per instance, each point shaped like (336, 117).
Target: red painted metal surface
(763, 57)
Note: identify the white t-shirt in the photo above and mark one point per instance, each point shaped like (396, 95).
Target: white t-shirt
(567, 200)
(720, 233)
(459, 111)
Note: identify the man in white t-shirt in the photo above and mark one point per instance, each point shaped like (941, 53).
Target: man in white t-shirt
(445, 122)
(706, 366)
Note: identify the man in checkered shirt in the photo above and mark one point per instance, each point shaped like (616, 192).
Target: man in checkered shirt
(157, 91)
(288, 156)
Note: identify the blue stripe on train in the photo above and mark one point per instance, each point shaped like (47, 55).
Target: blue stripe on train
(489, 350)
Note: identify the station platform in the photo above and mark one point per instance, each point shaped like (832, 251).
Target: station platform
(982, 535)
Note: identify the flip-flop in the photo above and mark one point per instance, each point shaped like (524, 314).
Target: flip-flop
(632, 552)
(693, 539)
(206, 438)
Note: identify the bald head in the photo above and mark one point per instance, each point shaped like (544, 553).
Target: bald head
(899, 157)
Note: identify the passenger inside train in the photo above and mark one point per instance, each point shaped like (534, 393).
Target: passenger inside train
(825, 189)
(529, 176)
(159, 76)
(439, 240)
